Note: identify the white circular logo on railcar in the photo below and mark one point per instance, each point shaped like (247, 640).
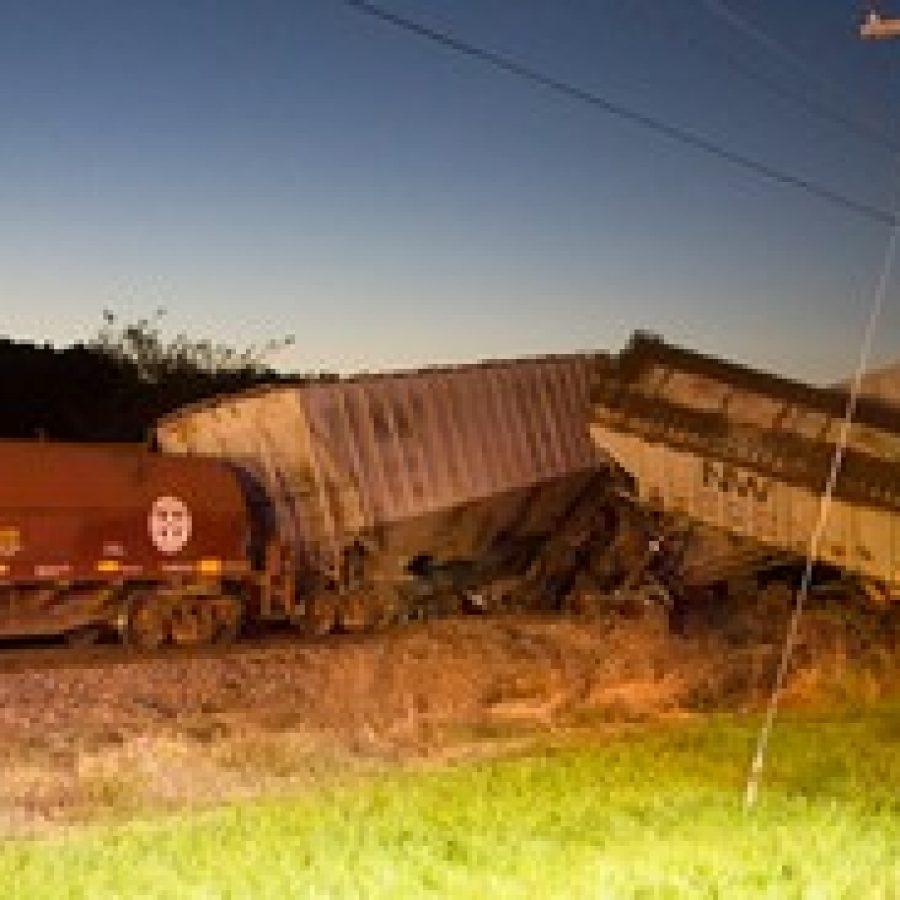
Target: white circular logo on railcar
(169, 524)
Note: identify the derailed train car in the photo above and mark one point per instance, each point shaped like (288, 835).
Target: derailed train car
(735, 461)
(381, 496)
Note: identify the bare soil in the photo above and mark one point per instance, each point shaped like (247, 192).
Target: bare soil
(116, 740)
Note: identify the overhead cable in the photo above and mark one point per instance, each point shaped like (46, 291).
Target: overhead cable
(778, 49)
(597, 101)
(763, 39)
(862, 128)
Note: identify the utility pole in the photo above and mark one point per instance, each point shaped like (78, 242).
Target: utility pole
(877, 27)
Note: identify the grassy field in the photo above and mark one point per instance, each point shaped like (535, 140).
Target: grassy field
(652, 813)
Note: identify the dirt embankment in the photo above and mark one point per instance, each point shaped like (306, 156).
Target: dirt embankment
(186, 730)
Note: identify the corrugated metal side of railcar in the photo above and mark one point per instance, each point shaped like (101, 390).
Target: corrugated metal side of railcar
(338, 459)
(414, 444)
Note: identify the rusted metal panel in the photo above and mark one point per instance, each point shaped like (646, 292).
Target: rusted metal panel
(75, 512)
(383, 457)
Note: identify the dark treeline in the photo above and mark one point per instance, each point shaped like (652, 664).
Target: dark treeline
(82, 394)
(114, 386)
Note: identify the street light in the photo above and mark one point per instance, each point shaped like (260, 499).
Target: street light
(877, 27)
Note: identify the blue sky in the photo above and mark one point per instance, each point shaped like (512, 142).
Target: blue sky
(269, 168)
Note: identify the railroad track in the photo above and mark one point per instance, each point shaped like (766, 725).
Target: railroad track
(22, 656)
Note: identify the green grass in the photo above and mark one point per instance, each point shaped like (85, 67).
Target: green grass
(657, 813)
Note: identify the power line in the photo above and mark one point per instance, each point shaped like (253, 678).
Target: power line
(762, 38)
(673, 132)
(759, 36)
(824, 111)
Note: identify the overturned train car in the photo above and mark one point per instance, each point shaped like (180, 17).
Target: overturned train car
(383, 496)
(735, 461)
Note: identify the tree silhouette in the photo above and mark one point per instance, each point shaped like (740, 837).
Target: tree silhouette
(157, 359)
(116, 384)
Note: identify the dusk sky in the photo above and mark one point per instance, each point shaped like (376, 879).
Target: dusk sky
(270, 168)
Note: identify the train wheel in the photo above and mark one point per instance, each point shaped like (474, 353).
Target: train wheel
(321, 614)
(228, 614)
(355, 612)
(192, 622)
(148, 624)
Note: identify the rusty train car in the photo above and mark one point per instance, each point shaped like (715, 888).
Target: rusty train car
(112, 534)
(341, 504)
(736, 460)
